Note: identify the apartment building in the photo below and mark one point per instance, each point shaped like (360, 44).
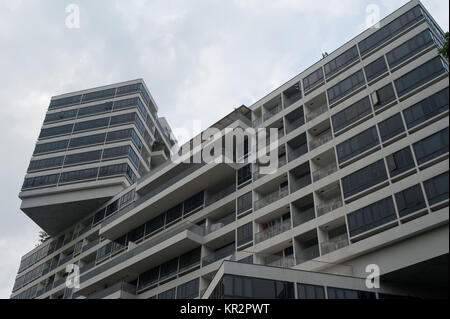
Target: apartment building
(362, 182)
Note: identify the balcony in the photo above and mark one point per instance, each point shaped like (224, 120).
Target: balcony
(329, 206)
(300, 182)
(272, 112)
(334, 244)
(211, 199)
(272, 231)
(218, 224)
(308, 253)
(321, 139)
(219, 254)
(271, 198)
(303, 216)
(279, 261)
(324, 172)
(316, 112)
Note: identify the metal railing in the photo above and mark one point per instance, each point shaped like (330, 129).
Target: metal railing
(272, 231)
(271, 198)
(308, 254)
(90, 245)
(220, 254)
(316, 112)
(324, 172)
(218, 224)
(279, 261)
(334, 244)
(320, 140)
(301, 182)
(329, 206)
(303, 217)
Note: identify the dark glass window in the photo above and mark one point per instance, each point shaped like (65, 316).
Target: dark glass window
(292, 95)
(60, 116)
(191, 258)
(124, 135)
(148, 278)
(87, 140)
(391, 127)
(65, 101)
(383, 96)
(120, 152)
(244, 174)
(400, 162)
(189, 290)
(340, 293)
(313, 79)
(73, 176)
(124, 118)
(169, 268)
(40, 181)
(341, 61)
(431, 147)
(55, 131)
(390, 30)
(118, 169)
(155, 224)
(97, 95)
(244, 234)
(426, 109)
(437, 189)
(194, 202)
(136, 234)
(169, 294)
(93, 124)
(174, 213)
(47, 163)
(99, 216)
(351, 114)
(346, 86)
(95, 109)
(420, 75)
(310, 291)
(50, 147)
(357, 144)
(410, 200)
(371, 216)
(111, 208)
(375, 69)
(83, 157)
(410, 48)
(244, 203)
(364, 178)
(124, 104)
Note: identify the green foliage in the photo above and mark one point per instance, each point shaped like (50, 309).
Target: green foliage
(444, 50)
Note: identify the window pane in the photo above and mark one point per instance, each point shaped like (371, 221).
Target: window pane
(391, 127)
(410, 200)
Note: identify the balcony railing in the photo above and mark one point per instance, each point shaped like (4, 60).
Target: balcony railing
(220, 254)
(308, 254)
(218, 224)
(90, 245)
(271, 113)
(324, 172)
(279, 261)
(334, 244)
(301, 182)
(273, 231)
(316, 112)
(220, 194)
(329, 206)
(303, 216)
(320, 140)
(271, 198)
(294, 125)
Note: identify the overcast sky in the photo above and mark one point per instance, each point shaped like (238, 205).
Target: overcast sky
(199, 58)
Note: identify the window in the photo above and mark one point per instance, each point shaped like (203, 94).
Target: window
(73, 176)
(292, 95)
(99, 216)
(351, 114)
(437, 189)
(310, 291)
(169, 268)
(121, 151)
(244, 174)
(410, 48)
(357, 144)
(375, 69)
(55, 131)
(194, 202)
(118, 169)
(341, 61)
(95, 109)
(174, 213)
(87, 140)
(431, 147)
(383, 96)
(40, 181)
(371, 216)
(50, 147)
(420, 75)
(244, 203)
(169, 294)
(97, 95)
(127, 198)
(83, 157)
(89, 125)
(155, 224)
(313, 79)
(124, 104)
(244, 234)
(65, 101)
(148, 278)
(390, 30)
(426, 109)
(190, 259)
(391, 127)
(54, 162)
(189, 290)
(364, 178)
(400, 162)
(112, 208)
(136, 234)
(60, 116)
(123, 119)
(410, 200)
(346, 86)
(340, 293)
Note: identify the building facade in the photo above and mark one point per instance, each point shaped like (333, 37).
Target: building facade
(361, 184)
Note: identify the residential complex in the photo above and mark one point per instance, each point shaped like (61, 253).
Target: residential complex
(362, 182)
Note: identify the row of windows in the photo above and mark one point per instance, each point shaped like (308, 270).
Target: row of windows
(341, 61)
(189, 290)
(351, 114)
(313, 79)
(346, 86)
(432, 146)
(357, 144)
(375, 69)
(66, 177)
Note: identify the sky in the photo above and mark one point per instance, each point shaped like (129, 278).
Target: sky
(199, 58)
